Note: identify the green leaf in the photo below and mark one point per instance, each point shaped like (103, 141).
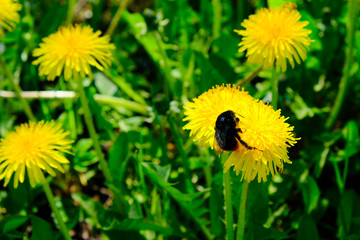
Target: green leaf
(300, 107)
(163, 171)
(84, 156)
(231, 42)
(41, 229)
(104, 85)
(311, 193)
(307, 229)
(348, 209)
(137, 23)
(12, 223)
(351, 132)
(139, 29)
(209, 74)
(191, 203)
(321, 162)
(119, 156)
(173, 192)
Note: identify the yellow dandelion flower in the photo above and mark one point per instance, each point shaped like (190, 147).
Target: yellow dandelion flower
(9, 15)
(73, 49)
(33, 146)
(263, 130)
(273, 35)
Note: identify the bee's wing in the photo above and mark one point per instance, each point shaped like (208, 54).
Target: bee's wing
(217, 149)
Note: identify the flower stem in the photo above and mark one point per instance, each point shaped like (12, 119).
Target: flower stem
(18, 91)
(70, 13)
(217, 18)
(116, 18)
(275, 88)
(91, 128)
(242, 211)
(250, 77)
(54, 209)
(345, 79)
(229, 216)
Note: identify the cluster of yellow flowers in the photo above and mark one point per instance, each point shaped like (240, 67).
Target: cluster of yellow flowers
(70, 51)
(261, 135)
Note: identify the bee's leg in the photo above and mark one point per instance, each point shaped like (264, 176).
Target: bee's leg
(239, 130)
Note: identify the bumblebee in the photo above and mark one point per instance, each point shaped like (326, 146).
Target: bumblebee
(227, 136)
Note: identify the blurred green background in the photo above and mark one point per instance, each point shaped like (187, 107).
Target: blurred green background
(166, 186)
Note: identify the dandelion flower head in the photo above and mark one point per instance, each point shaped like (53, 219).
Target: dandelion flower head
(272, 36)
(9, 15)
(262, 127)
(34, 147)
(73, 50)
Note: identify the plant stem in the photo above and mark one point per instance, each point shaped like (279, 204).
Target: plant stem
(242, 211)
(70, 13)
(345, 79)
(18, 91)
(48, 94)
(69, 95)
(217, 18)
(91, 128)
(275, 88)
(116, 18)
(207, 168)
(229, 216)
(250, 77)
(121, 102)
(339, 179)
(54, 209)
